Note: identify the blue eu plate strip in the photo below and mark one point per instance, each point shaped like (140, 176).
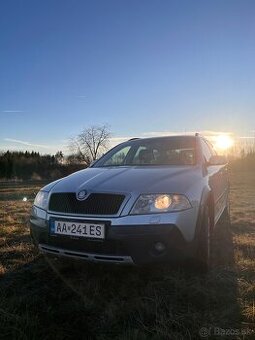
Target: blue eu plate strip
(52, 226)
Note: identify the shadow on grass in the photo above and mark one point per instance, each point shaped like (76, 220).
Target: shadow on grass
(47, 299)
(16, 239)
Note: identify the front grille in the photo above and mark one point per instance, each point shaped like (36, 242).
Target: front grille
(95, 204)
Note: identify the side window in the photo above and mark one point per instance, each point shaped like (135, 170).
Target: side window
(207, 153)
(119, 157)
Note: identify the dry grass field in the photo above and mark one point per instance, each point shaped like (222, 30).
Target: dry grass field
(40, 300)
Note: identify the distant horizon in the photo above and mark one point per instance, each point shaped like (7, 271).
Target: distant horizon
(245, 142)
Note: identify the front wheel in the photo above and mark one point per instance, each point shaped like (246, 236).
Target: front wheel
(203, 246)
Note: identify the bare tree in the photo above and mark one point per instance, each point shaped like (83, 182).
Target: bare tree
(59, 157)
(91, 143)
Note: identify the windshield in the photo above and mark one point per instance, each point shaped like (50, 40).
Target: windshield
(156, 151)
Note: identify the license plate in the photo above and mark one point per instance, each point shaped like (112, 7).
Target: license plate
(70, 228)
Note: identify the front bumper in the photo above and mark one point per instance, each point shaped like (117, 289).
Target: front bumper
(124, 243)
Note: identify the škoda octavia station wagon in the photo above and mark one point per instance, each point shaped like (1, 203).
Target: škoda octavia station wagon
(146, 200)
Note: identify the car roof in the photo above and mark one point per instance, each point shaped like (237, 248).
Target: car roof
(164, 137)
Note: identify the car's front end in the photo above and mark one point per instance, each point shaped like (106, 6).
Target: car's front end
(119, 214)
(119, 238)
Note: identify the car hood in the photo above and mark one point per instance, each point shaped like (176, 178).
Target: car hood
(146, 179)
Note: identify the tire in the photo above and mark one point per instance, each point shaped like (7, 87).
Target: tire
(203, 244)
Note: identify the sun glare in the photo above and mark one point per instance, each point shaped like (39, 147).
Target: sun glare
(224, 142)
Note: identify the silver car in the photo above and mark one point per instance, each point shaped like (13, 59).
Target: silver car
(146, 200)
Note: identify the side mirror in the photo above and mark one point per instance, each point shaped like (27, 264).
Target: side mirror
(217, 160)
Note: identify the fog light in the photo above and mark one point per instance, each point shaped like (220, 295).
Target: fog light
(159, 247)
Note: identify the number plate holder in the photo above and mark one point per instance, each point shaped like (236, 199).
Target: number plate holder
(77, 228)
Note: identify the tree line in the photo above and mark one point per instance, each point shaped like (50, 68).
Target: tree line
(245, 162)
(34, 166)
(86, 147)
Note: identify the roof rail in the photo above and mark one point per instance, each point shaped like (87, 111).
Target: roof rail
(133, 138)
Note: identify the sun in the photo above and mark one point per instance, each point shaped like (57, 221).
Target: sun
(224, 142)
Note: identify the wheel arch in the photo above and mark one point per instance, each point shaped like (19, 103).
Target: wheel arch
(206, 200)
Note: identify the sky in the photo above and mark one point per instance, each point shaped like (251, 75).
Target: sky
(143, 67)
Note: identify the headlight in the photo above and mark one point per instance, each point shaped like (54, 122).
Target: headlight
(41, 200)
(158, 203)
